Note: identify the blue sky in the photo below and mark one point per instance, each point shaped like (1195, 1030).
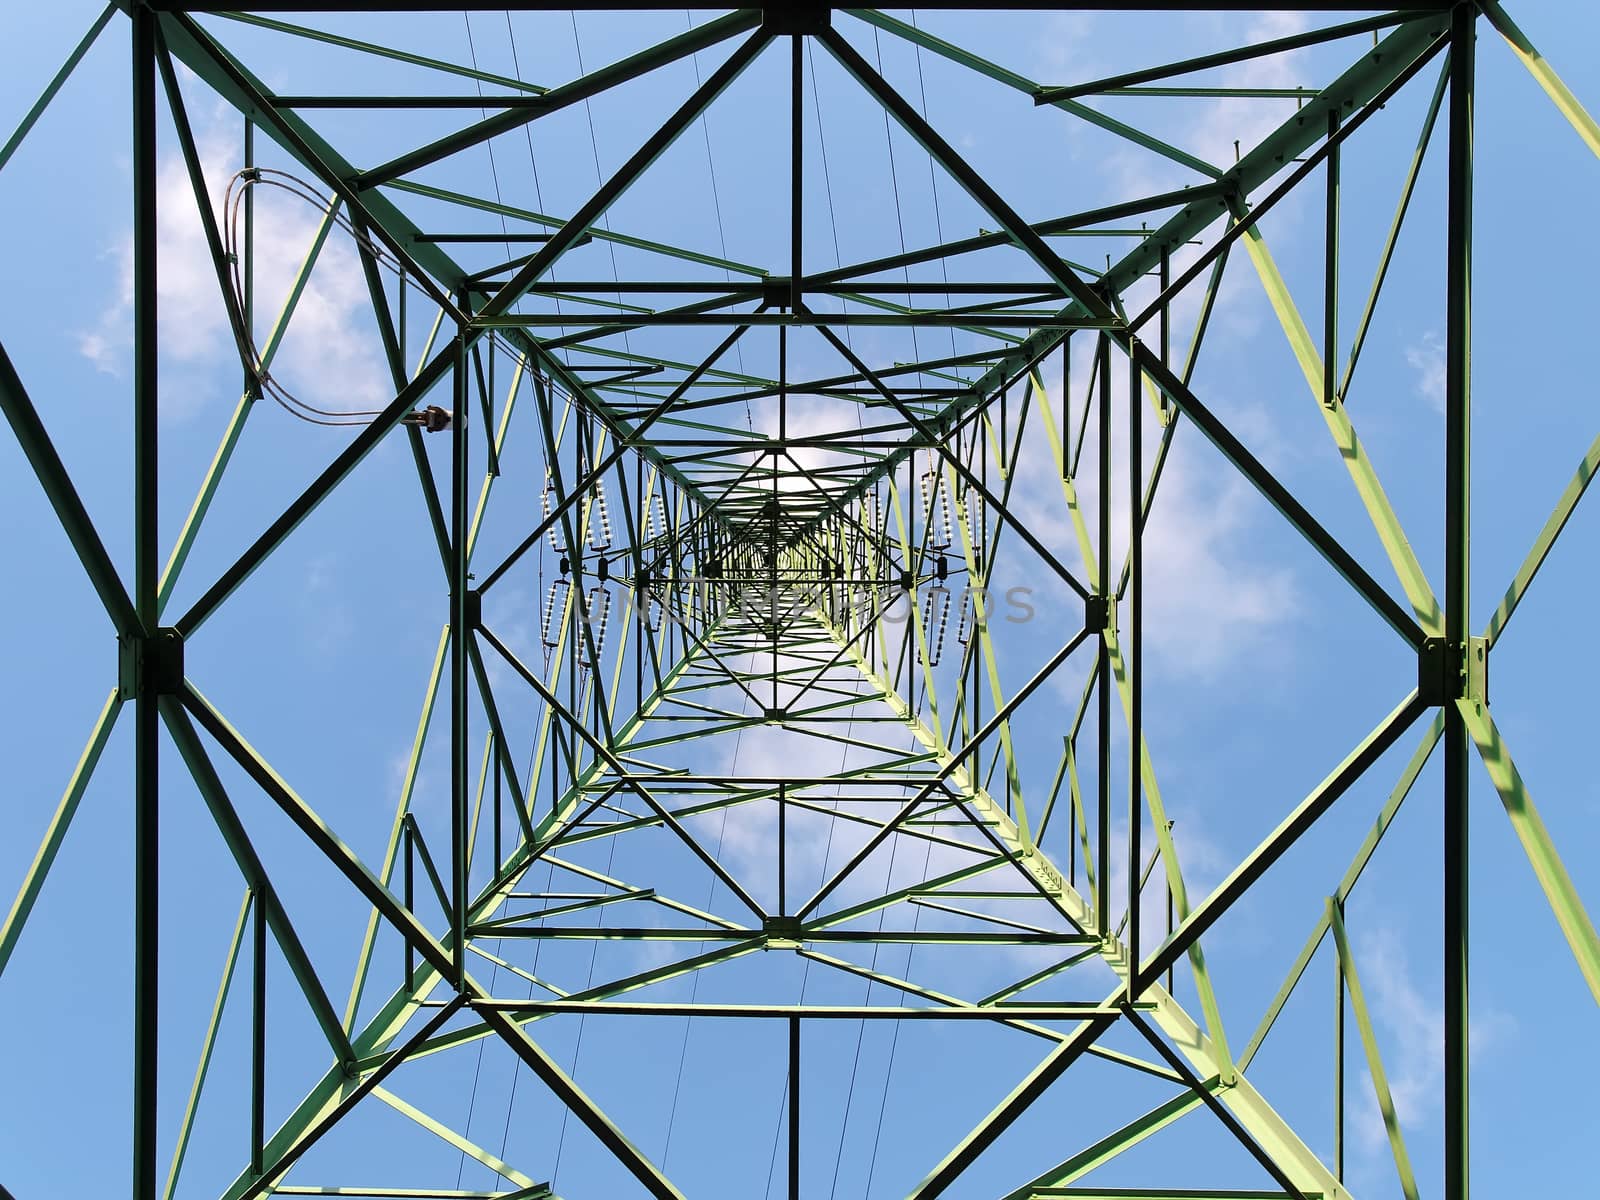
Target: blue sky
(1262, 669)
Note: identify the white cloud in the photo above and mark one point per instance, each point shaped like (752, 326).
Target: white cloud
(1208, 129)
(329, 356)
(814, 842)
(1218, 124)
(1208, 600)
(1413, 1050)
(744, 837)
(1203, 864)
(1208, 597)
(811, 417)
(321, 602)
(1064, 51)
(1426, 358)
(192, 319)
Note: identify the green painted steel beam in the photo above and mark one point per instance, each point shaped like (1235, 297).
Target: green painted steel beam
(1011, 79)
(1386, 258)
(1287, 832)
(1390, 61)
(1576, 925)
(330, 1099)
(498, 208)
(824, 672)
(1369, 1044)
(31, 117)
(448, 1135)
(1544, 543)
(1243, 1100)
(1206, 62)
(562, 1084)
(554, 99)
(60, 822)
(63, 496)
(429, 262)
(235, 427)
(254, 871)
(1539, 67)
(380, 51)
(625, 176)
(207, 1047)
(1108, 1148)
(1351, 451)
(1358, 864)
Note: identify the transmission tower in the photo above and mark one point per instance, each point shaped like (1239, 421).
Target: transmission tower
(794, 828)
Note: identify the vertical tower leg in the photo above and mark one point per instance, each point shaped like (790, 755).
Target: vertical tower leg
(460, 631)
(1458, 447)
(147, 567)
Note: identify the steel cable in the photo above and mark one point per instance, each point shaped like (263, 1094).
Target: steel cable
(233, 202)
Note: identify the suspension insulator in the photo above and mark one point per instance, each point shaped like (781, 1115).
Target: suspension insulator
(936, 509)
(935, 615)
(551, 632)
(550, 502)
(597, 612)
(599, 517)
(655, 521)
(972, 514)
(964, 626)
(867, 535)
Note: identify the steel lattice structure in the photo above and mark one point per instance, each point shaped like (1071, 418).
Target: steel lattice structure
(831, 587)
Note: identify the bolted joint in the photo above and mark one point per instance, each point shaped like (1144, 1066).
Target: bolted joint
(150, 666)
(1478, 670)
(474, 607)
(1438, 672)
(803, 17)
(777, 291)
(1099, 615)
(782, 933)
(1449, 671)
